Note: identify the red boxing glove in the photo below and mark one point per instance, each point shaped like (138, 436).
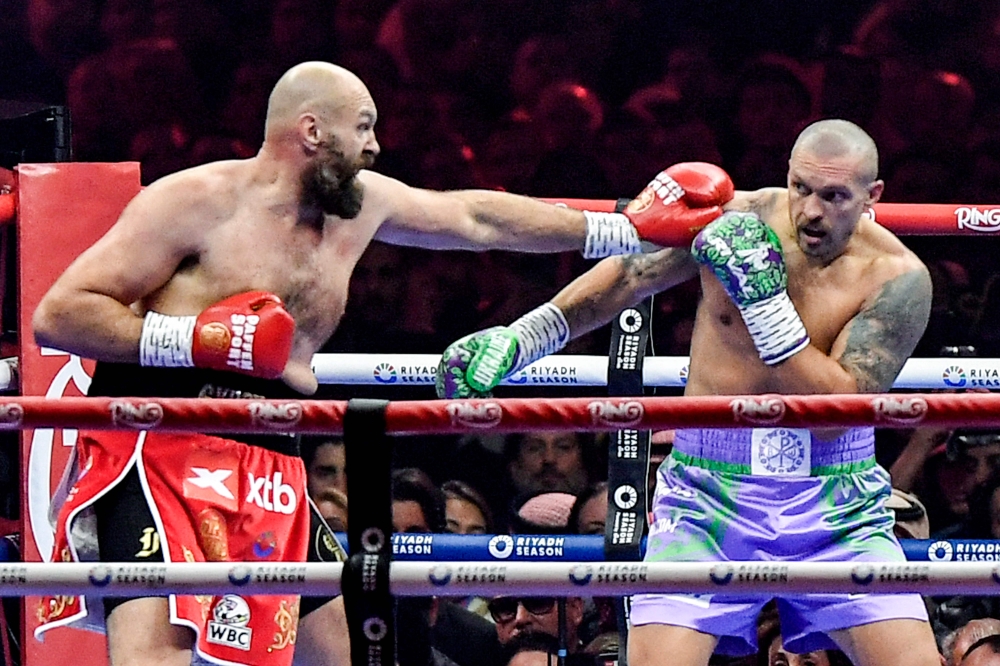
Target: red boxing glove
(679, 202)
(669, 212)
(249, 333)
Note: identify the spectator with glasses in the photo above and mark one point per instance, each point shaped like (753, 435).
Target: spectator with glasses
(516, 616)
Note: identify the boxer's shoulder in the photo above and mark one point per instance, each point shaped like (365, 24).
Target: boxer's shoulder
(764, 202)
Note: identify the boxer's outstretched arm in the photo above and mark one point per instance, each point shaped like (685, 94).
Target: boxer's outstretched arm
(597, 296)
(475, 220)
(872, 349)
(86, 311)
(681, 199)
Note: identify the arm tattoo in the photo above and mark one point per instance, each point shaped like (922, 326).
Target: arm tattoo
(638, 276)
(884, 334)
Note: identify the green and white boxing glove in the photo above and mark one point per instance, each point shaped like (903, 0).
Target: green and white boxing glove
(472, 366)
(745, 254)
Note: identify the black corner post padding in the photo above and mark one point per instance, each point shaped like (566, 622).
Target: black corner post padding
(628, 450)
(365, 582)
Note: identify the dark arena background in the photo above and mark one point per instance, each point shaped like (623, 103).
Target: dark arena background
(577, 101)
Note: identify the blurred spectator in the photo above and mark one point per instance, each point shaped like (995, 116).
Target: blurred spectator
(535, 649)
(466, 510)
(142, 98)
(325, 462)
(418, 507)
(546, 462)
(545, 513)
(567, 118)
(851, 87)
(958, 642)
(509, 156)
(356, 24)
(773, 103)
(417, 504)
(245, 104)
(918, 177)
(590, 510)
(771, 650)
(910, 514)
(539, 61)
(332, 505)
(515, 616)
(63, 32)
(984, 512)
(300, 30)
(985, 652)
(944, 468)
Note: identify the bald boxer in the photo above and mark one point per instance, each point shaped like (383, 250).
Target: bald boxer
(802, 292)
(222, 281)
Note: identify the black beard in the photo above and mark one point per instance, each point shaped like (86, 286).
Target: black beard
(333, 185)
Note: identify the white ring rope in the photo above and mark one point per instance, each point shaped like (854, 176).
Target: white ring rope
(510, 578)
(577, 370)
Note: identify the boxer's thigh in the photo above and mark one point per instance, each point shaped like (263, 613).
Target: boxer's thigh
(667, 645)
(900, 642)
(139, 632)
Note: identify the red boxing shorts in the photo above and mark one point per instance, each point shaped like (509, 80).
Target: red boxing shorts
(206, 499)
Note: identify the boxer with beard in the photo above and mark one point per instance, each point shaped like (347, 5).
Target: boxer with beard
(223, 280)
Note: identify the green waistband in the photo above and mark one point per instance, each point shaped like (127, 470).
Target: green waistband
(737, 468)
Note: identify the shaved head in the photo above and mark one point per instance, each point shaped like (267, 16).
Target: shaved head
(321, 118)
(321, 88)
(840, 138)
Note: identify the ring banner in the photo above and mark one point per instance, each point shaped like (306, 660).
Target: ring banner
(368, 601)
(628, 453)
(628, 450)
(590, 548)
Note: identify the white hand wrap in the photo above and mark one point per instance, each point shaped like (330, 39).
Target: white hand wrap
(776, 328)
(166, 341)
(609, 234)
(541, 332)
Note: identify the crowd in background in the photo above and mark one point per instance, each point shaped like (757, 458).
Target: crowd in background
(564, 98)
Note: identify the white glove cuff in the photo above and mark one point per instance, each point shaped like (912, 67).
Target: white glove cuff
(541, 332)
(609, 234)
(166, 341)
(776, 328)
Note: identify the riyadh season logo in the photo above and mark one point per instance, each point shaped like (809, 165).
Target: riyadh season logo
(684, 375)
(940, 551)
(385, 374)
(954, 376)
(501, 546)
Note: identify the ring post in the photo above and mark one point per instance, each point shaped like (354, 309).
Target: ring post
(365, 582)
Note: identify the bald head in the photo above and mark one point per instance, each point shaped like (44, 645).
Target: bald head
(973, 631)
(321, 88)
(829, 139)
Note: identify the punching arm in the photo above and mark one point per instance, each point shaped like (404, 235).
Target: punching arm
(597, 296)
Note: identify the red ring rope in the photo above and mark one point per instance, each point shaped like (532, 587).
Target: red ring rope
(903, 219)
(508, 415)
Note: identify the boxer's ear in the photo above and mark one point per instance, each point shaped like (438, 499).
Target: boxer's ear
(309, 131)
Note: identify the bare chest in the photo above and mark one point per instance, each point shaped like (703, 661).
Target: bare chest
(308, 268)
(724, 358)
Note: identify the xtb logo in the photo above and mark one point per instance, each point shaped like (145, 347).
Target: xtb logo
(213, 479)
(271, 494)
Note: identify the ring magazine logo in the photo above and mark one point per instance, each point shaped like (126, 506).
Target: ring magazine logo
(228, 625)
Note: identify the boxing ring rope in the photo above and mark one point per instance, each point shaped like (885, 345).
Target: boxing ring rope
(901, 219)
(581, 370)
(444, 417)
(511, 578)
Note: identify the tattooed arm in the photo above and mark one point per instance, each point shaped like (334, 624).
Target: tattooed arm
(869, 353)
(597, 296)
